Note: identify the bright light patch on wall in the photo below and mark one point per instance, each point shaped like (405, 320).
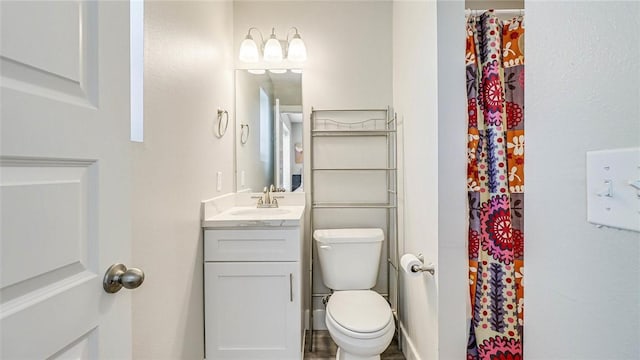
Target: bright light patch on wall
(265, 133)
(136, 19)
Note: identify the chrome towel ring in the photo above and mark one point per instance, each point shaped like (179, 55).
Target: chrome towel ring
(222, 125)
(244, 136)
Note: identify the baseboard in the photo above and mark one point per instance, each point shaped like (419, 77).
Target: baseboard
(304, 343)
(408, 348)
(318, 320)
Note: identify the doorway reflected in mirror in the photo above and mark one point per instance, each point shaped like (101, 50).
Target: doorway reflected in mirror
(271, 153)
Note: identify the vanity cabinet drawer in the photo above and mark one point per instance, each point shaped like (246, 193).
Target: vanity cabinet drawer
(252, 244)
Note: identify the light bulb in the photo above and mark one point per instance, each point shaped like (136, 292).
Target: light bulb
(273, 49)
(249, 50)
(297, 51)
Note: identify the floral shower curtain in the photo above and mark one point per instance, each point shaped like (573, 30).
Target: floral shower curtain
(495, 185)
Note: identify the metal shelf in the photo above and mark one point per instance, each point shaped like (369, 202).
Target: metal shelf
(352, 206)
(353, 169)
(353, 133)
(344, 110)
(365, 124)
(348, 123)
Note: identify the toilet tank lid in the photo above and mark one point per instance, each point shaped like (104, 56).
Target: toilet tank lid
(333, 236)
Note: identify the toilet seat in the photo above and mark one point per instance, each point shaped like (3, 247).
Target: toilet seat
(361, 314)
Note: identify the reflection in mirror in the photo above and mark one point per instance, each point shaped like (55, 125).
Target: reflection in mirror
(268, 131)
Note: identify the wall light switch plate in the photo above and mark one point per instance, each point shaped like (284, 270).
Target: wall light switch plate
(219, 181)
(613, 198)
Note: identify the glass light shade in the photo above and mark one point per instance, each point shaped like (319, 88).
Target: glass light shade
(249, 50)
(273, 50)
(297, 51)
(277, 71)
(256, 71)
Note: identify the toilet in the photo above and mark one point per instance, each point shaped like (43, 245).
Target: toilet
(359, 320)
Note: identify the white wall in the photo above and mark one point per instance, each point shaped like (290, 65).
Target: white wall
(349, 53)
(415, 85)
(428, 93)
(188, 75)
(582, 284)
(453, 288)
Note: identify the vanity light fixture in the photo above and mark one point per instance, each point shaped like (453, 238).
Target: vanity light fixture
(272, 51)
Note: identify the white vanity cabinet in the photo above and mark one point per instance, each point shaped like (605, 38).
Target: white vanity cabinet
(253, 307)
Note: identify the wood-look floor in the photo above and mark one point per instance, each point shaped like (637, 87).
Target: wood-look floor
(325, 348)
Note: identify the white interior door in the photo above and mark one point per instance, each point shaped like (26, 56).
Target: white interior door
(64, 182)
(277, 144)
(286, 151)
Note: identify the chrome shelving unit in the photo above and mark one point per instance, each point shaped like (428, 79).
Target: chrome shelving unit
(363, 124)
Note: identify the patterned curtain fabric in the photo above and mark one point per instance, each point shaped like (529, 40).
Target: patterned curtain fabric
(495, 185)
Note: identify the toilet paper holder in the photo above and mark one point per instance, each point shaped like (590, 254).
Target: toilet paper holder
(430, 268)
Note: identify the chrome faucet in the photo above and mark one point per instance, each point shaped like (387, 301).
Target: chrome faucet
(268, 200)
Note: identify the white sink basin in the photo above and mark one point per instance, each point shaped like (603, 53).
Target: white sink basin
(259, 212)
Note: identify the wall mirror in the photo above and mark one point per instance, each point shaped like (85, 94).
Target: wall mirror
(269, 130)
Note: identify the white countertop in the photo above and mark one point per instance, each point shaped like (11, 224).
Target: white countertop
(227, 218)
(239, 210)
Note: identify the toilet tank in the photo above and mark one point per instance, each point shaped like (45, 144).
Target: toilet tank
(349, 258)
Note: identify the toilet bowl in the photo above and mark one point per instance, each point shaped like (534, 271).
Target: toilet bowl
(359, 320)
(361, 324)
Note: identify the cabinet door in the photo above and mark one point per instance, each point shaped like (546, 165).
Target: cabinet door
(252, 310)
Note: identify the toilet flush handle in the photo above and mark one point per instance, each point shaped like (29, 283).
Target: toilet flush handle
(325, 247)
